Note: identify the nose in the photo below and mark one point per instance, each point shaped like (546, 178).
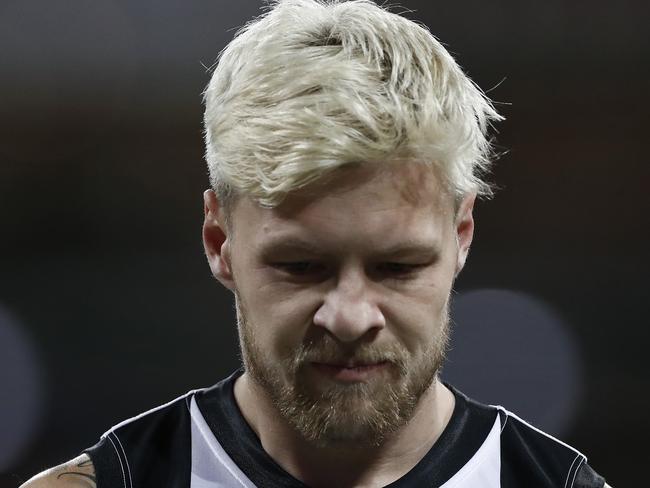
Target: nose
(350, 309)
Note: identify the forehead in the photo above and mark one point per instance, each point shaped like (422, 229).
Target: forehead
(356, 204)
(398, 182)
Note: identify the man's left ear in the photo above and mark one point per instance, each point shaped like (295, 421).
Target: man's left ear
(464, 229)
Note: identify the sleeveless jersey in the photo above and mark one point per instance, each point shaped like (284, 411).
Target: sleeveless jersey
(201, 440)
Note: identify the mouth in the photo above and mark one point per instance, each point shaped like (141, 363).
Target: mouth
(350, 372)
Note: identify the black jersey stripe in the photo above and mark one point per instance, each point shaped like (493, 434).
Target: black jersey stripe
(201, 440)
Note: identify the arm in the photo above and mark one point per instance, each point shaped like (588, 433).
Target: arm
(77, 473)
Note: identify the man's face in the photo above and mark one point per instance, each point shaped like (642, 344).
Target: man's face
(342, 298)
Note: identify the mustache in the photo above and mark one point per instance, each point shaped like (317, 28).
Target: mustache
(329, 351)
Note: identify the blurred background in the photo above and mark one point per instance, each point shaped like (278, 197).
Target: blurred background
(107, 306)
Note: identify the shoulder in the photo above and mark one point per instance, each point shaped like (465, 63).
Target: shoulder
(76, 473)
(161, 416)
(532, 454)
(528, 456)
(150, 449)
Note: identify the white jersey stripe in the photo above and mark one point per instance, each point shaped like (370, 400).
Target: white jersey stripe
(484, 467)
(211, 465)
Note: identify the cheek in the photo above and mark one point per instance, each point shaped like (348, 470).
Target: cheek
(419, 316)
(279, 319)
(418, 325)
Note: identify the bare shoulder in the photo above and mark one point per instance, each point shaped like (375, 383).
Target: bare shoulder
(76, 473)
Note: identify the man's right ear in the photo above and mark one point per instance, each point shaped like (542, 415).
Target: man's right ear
(216, 241)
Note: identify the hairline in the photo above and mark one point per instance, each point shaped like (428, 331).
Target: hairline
(229, 197)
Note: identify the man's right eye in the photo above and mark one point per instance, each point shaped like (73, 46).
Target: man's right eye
(300, 268)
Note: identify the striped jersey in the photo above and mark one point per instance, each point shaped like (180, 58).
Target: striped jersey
(201, 440)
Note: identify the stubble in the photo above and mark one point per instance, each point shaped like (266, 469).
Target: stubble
(329, 413)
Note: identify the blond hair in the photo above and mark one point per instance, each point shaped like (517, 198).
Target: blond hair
(312, 85)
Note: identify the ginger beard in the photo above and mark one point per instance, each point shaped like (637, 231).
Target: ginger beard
(328, 413)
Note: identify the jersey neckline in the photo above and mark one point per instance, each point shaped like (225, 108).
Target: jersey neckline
(465, 432)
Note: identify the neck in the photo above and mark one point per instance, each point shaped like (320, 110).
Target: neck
(346, 466)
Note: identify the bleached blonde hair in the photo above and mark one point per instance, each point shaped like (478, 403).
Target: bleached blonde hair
(314, 85)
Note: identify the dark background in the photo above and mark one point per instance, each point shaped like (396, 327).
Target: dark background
(107, 307)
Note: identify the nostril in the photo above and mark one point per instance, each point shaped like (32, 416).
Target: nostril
(349, 320)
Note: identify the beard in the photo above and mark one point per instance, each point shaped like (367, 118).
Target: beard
(327, 413)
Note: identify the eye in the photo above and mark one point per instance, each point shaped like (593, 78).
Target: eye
(300, 268)
(399, 269)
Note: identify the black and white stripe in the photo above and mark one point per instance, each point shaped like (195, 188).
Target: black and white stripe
(201, 440)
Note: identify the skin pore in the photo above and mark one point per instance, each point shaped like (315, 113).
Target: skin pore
(342, 296)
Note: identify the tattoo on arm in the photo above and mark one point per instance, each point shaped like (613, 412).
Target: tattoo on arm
(88, 477)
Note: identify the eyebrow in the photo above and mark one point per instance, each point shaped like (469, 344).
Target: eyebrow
(422, 249)
(410, 248)
(285, 244)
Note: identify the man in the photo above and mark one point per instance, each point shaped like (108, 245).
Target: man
(345, 149)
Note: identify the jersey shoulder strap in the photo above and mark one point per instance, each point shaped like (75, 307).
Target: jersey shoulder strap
(532, 456)
(151, 449)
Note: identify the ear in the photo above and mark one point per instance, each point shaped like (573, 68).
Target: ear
(464, 229)
(216, 241)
